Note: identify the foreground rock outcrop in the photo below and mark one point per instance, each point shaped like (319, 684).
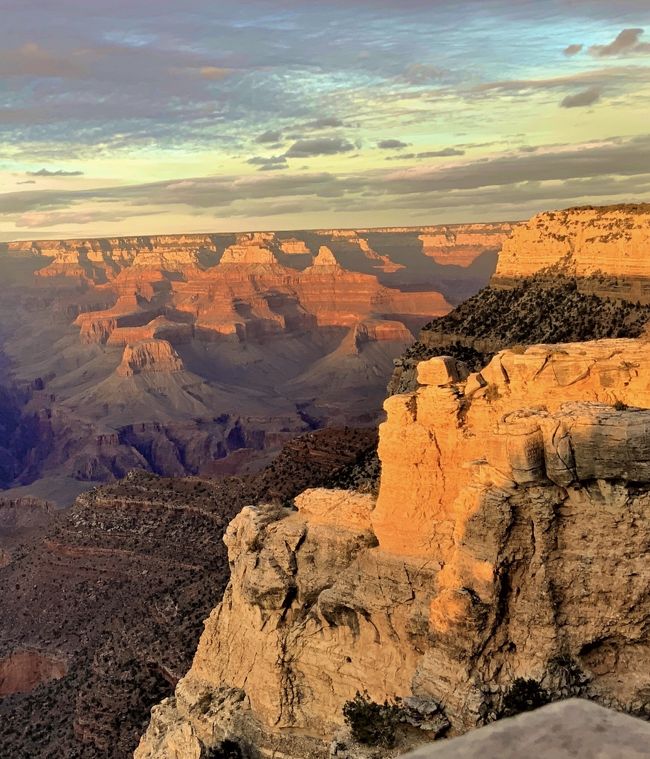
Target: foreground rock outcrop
(508, 540)
(103, 603)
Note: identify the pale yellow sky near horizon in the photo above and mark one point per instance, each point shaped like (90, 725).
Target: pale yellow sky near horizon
(204, 120)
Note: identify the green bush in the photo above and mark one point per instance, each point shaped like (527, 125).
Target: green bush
(370, 723)
(523, 696)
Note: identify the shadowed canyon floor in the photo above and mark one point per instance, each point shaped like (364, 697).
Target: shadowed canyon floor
(171, 354)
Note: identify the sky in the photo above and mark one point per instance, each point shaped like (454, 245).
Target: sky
(153, 116)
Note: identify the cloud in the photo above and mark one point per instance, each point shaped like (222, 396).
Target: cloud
(319, 146)
(611, 158)
(627, 43)
(324, 122)
(600, 162)
(58, 173)
(31, 60)
(572, 50)
(214, 72)
(270, 135)
(599, 77)
(273, 163)
(392, 144)
(581, 99)
(422, 73)
(444, 153)
(39, 219)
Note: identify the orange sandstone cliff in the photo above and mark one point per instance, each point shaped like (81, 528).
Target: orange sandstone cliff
(611, 242)
(508, 540)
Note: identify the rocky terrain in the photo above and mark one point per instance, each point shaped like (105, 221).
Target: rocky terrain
(468, 586)
(507, 542)
(103, 604)
(583, 242)
(571, 729)
(565, 276)
(187, 354)
(428, 600)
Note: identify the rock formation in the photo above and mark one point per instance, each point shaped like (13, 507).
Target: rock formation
(461, 246)
(293, 247)
(148, 356)
(564, 276)
(608, 242)
(271, 335)
(508, 540)
(103, 605)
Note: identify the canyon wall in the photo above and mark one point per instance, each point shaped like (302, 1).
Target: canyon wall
(564, 276)
(610, 243)
(508, 540)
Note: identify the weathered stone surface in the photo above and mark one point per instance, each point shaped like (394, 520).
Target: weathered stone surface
(581, 242)
(508, 540)
(339, 508)
(507, 428)
(441, 371)
(149, 356)
(572, 729)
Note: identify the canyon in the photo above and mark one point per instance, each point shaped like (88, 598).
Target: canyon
(506, 544)
(191, 354)
(495, 535)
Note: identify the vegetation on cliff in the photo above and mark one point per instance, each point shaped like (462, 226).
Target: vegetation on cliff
(540, 309)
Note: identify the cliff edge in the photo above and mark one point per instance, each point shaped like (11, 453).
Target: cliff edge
(564, 276)
(508, 540)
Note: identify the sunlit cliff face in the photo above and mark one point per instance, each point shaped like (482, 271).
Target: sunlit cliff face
(130, 118)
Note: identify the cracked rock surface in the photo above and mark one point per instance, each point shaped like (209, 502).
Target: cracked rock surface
(509, 540)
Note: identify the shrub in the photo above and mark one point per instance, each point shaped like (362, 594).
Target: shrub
(370, 723)
(523, 696)
(225, 750)
(620, 406)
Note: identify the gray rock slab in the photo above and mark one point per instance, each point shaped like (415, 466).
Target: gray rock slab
(573, 729)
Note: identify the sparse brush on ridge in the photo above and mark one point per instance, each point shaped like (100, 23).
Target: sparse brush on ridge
(540, 309)
(370, 723)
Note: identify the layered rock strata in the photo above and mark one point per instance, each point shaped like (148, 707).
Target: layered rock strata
(508, 540)
(608, 242)
(148, 356)
(272, 334)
